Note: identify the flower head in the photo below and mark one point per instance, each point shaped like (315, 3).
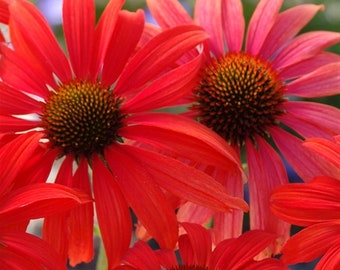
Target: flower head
(90, 111)
(195, 250)
(248, 94)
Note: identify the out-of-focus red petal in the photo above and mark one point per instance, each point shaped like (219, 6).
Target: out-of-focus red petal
(282, 32)
(310, 243)
(28, 251)
(78, 25)
(157, 55)
(260, 24)
(308, 203)
(103, 35)
(200, 244)
(129, 28)
(143, 194)
(331, 259)
(187, 182)
(112, 211)
(266, 172)
(30, 34)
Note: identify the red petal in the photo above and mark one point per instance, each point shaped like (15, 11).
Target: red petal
(28, 251)
(266, 172)
(186, 181)
(159, 53)
(129, 28)
(31, 35)
(320, 202)
(78, 25)
(143, 194)
(260, 24)
(112, 212)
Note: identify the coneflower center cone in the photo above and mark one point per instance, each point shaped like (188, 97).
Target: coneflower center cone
(82, 118)
(239, 96)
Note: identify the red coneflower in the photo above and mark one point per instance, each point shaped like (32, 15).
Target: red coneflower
(196, 252)
(247, 94)
(91, 110)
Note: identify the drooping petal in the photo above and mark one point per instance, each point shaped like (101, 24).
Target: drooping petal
(81, 220)
(305, 46)
(266, 172)
(124, 40)
(113, 215)
(308, 203)
(38, 200)
(260, 24)
(281, 32)
(29, 248)
(329, 150)
(208, 14)
(78, 25)
(31, 34)
(103, 35)
(182, 137)
(187, 182)
(233, 24)
(143, 194)
(199, 243)
(311, 119)
(308, 65)
(330, 260)
(159, 53)
(169, 13)
(167, 89)
(304, 162)
(310, 243)
(324, 81)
